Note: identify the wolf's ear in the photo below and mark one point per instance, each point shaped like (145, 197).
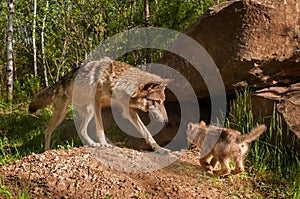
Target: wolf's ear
(165, 82)
(137, 92)
(142, 89)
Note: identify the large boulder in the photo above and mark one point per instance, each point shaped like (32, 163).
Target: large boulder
(253, 42)
(287, 100)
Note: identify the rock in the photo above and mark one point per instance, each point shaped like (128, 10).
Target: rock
(290, 108)
(287, 100)
(254, 43)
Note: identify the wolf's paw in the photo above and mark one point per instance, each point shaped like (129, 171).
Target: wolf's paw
(94, 144)
(106, 145)
(162, 150)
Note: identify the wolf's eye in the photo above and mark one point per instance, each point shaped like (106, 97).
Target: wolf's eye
(157, 102)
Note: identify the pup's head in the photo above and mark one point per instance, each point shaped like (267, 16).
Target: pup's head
(150, 98)
(196, 133)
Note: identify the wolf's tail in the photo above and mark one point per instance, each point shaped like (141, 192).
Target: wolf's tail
(46, 96)
(252, 135)
(42, 99)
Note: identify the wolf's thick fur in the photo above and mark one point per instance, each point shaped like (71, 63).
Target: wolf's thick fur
(102, 83)
(225, 144)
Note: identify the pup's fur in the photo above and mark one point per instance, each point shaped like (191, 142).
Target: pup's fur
(223, 145)
(101, 83)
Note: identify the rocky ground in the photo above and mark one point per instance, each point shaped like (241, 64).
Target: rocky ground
(118, 173)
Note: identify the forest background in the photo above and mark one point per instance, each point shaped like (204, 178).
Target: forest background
(50, 38)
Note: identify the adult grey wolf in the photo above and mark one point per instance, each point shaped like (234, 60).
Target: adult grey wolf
(102, 83)
(225, 144)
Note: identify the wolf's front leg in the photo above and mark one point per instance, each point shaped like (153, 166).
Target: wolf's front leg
(134, 118)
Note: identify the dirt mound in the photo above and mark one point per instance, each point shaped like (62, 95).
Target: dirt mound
(75, 173)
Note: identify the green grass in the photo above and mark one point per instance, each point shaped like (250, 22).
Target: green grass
(20, 191)
(4, 190)
(22, 134)
(274, 157)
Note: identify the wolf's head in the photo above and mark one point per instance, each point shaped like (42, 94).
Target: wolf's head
(150, 98)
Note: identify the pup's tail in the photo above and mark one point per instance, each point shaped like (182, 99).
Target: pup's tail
(42, 99)
(252, 135)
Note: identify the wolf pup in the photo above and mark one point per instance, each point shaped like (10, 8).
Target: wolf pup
(223, 145)
(103, 83)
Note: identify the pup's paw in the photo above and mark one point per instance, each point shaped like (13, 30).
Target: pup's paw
(222, 172)
(237, 171)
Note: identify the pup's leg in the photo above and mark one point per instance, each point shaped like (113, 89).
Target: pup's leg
(213, 162)
(203, 162)
(225, 169)
(59, 112)
(239, 166)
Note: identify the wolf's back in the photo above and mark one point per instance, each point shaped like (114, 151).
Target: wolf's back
(252, 135)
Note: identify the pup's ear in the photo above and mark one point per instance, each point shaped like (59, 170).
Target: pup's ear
(190, 126)
(202, 123)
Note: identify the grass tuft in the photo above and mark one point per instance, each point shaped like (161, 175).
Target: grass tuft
(275, 155)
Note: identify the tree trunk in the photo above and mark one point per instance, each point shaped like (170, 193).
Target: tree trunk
(33, 38)
(10, 66)
(147, 23)
(43, 46)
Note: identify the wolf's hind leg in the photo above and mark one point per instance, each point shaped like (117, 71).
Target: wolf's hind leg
(99, 125)
(86, 113)
(59, 112)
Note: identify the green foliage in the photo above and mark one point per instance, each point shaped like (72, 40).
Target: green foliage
(26, 87)
(18, 191)
(4, 192)
(22, 134)
(8, 153)
(116, 136)
(276, 151)
(108, 196)
(74, 28)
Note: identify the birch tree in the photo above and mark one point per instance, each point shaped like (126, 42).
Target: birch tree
(43, 45)
(33, 38)
(147, 23)
(10, 67)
